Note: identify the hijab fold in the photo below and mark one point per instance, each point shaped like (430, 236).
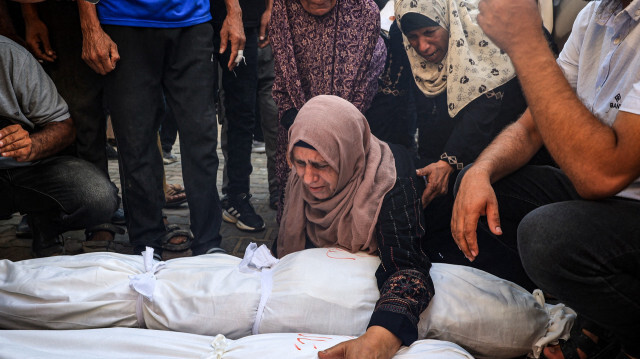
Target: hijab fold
(473, 65)
(366, 172)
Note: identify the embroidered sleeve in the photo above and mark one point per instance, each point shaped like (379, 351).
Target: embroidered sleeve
(403, 276)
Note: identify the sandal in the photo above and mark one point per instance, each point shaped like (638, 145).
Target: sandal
(175, 231)
(175, 196)
(90, 245)
(605, 348)
(175, 187)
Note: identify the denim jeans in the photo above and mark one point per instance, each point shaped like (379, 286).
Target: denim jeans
(175, 64)
(67, 192)
(585, 253)
(240, 86)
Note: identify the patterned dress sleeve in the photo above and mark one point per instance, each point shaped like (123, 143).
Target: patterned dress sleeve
(403, 276)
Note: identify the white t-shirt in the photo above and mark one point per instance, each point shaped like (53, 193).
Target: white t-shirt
(601, 61)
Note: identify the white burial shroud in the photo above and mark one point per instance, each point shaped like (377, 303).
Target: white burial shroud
(324, 290)
(127, 343)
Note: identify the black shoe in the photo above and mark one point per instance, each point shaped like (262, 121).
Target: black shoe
(23, 230)
(274, 199)
(118, 217)
(112, 154)
(238, 210)
(46, 242)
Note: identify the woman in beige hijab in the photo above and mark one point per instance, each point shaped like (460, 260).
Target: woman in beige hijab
(348, 189)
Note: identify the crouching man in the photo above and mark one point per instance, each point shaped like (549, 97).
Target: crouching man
(59, 193)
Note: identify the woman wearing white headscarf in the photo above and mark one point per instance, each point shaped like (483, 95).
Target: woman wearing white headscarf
(351, 190)
(469, 94)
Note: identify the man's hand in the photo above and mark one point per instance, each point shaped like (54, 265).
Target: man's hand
(232, 32)
(376, 343)
(437, 176)
(510, 23)
(15, 142)
(99, 51)
(37, 34)
(475, 198)
(263, 37)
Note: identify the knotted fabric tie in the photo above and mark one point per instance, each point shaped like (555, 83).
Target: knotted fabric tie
(259, 260)
(145, 283)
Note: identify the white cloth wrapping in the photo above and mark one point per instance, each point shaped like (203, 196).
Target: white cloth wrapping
(203, 295)
(128, 343)
(324, 290)
(490, 317)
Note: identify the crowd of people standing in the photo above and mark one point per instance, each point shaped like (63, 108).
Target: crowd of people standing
(453, 135)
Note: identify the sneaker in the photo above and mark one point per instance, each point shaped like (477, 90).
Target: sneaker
(238, 210)
(22, 229)
(257, 147)
(118, 217)
(168, 158)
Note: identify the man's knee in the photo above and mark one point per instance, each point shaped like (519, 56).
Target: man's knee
(544, 242)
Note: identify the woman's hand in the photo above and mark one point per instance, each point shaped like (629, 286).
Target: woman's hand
(437, 177)
(376, 343)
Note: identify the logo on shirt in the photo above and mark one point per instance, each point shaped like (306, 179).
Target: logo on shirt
(616, 104)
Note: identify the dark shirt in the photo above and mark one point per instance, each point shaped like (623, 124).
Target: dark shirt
(392, 115)
(472, 129)
(251, 12)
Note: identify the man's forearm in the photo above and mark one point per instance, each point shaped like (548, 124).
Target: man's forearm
(51, 139)
(511, 149)
(88, 16)
(586, 149)
(233, 8)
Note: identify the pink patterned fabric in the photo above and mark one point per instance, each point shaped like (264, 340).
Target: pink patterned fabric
(340, 53)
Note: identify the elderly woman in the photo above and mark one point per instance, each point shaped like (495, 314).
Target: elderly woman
(351, 190)
(469, 94)
(323, 47)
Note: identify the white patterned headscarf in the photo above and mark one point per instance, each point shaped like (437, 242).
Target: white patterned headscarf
(473, 64)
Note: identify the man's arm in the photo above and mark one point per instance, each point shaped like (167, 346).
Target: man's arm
(263, 37)
(98, 50)
(598, 159)
(510, 150)
(37, 34)
(16, 142)
(232, 32)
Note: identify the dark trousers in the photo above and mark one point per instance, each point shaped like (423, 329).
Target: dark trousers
(239, 99)
(168, 131)
(268, 113)
(176, 65)
(66, 193)
(585, 253)
(80, 86)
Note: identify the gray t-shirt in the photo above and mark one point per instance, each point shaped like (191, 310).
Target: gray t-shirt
(27, 95)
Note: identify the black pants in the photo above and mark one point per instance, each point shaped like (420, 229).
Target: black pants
(239, 98)
(78, 84)
(177, 65)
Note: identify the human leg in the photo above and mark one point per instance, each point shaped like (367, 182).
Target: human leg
(240, 87)
(587, 254)
(60, 194)
(189, 85)
(135, 100)
(269, 118)
(80, 86)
